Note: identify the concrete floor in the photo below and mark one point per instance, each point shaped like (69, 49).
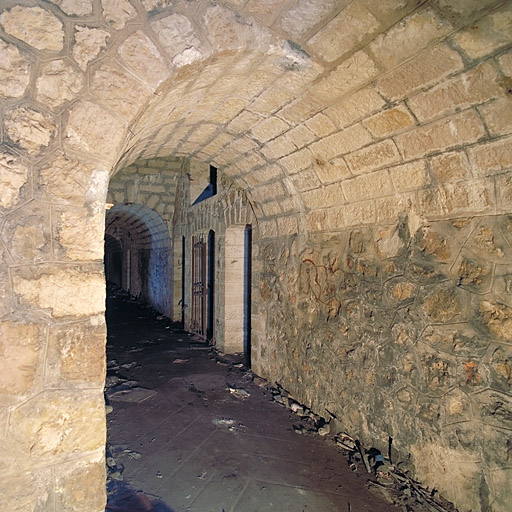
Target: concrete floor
(179, 440)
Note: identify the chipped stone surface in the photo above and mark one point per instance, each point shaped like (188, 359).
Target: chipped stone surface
(27, 233)
(13, 175)
(118, 12)
(14, 71)
(408, 37)
(178, 37)
(118, 90)
(51, 425)
(89, 42)
(298, 20)
(36, 26)
(65, 179)
(76, 355)
(343, 33)
(86, 128)
(29, 128)
(498, 318)
(73, 292)
(78, 234)
(58, 83)
(71, 494)
(143, 58)
(75, 7)
(21, 348)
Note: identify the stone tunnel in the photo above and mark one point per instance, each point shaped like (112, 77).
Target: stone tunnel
(365, 145)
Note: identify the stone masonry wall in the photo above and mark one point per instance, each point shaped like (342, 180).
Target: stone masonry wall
(330, 117)
(403, 331)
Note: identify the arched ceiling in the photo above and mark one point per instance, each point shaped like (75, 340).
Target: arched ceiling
(333, 107)
(139, 224)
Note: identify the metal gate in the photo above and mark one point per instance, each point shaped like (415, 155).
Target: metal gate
(198, 313)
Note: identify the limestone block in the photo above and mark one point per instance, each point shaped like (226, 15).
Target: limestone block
(390, 121)
(451, 198)
(75, 7)
(498, 116)
(375, 184)
(78, 485)
(29, 128)
(372, 157)
(344, 32)
(389, 208)
(78, 235)
(408, 38)
(501, 490)
(178, 37)
(65, 179)
(320, 125)
(354, 214)
(14, 71)
(118, 90)
(22, 346)
(429, 67)
(278, 147)
(342, 142)
(143, 58)
(58, 83)
(349, 75)
(504, 192)
(476, 86)
(89, 42)
(26, 233)
(305, 180)
(34, 25)
(76, 354)
(491, 158)
(86, 130)
(57, 423)
(456, 130)
(443, 305)
(332, 170)
(270, 101)
(324, 197)
(301, 109)
(118, 12)
(243, 122)
(501, 367)
(13, 175)
(297, 161)
(269, 129)
(29, 491)
(304, 16)
(354, 107)
(67, 291)
(410, 176)
(487, 34)
(506, 63)
(497, 317)
(450, 167)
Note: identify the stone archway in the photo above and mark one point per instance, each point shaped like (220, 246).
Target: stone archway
(387, 142)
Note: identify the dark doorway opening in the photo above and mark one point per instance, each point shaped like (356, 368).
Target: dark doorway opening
(211, 286)
(247, 293)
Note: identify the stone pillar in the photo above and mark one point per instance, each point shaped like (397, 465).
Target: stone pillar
(52, 335)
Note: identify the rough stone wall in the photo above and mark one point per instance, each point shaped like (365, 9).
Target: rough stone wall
(404, 111)
(403, 331)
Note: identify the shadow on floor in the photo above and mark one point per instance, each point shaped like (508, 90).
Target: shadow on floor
(122, 498)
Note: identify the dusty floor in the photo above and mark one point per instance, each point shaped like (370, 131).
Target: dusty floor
(179, 440)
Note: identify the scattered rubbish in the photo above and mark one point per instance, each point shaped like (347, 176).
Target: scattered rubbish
(160, 317)
(159, 474)
(180, 361)
(129, 365)
(223, 422)
(240, 393)
(135, 394)
(260, 381)
(108, 409)
(203, 474)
